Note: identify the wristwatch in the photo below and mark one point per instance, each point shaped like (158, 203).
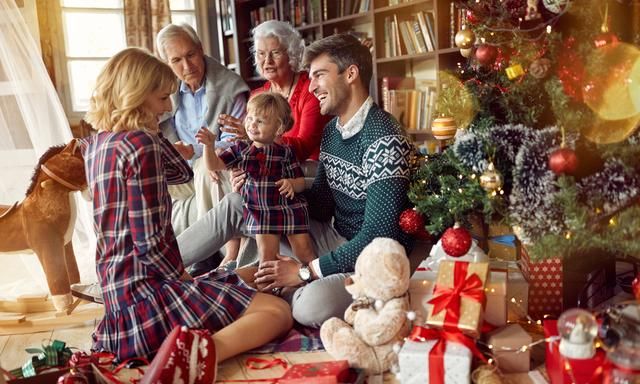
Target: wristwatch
(304, 273)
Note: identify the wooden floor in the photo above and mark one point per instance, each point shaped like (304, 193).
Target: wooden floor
(13, 354)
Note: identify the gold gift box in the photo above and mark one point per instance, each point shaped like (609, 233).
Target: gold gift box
(470, 316)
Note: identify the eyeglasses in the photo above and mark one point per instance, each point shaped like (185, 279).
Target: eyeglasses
(275, 55)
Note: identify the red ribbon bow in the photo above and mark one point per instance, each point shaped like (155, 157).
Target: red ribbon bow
(436, 354)
(449, 298)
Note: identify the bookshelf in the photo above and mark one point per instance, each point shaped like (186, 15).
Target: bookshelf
(367, 19)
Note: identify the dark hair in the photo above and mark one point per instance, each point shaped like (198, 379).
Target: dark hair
(344, 50)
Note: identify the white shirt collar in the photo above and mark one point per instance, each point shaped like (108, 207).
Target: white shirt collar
(356, 123)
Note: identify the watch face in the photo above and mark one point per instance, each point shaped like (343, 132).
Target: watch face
(304, 273)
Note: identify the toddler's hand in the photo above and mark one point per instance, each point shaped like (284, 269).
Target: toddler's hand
(206, 137)
(185, 150)
(285, 186)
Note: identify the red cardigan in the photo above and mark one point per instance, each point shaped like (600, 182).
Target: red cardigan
(304, 137)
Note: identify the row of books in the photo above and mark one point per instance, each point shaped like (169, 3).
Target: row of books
(412, 102)
(261, 14)
(407, 37)
(302, 12)
(226, 15)
(347, 7)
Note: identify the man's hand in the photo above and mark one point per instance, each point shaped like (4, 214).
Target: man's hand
(185, 150)
(230, 124)
(238, 178)
(285, 187)
(278, 273)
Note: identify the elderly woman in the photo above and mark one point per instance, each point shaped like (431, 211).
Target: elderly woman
(278, 49)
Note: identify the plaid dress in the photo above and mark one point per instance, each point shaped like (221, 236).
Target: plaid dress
(137, 256)
(266, 211)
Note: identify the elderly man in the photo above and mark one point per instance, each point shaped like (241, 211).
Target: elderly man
(358, 194)
(207, 89)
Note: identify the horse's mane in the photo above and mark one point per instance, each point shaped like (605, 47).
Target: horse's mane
(43, 159)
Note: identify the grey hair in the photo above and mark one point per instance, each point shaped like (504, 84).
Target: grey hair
(172, 31)
(286, 35)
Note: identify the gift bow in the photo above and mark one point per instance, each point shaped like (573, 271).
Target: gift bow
(436, 354)
(52, 355)
(449, 297)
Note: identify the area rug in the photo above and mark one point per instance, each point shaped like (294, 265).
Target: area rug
(299, 339)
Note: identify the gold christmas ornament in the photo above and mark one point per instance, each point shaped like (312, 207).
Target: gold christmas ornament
(466, 52)
(615, 93)
(514, 71)
(465, 38)
(443, 128)
(491, 179)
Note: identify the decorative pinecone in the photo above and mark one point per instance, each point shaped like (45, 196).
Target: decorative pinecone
(540, 68)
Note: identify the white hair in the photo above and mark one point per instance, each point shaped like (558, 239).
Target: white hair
(286, 35)
(172, 31)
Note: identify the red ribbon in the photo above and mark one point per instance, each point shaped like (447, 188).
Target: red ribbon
(258, 363)
(449, 298)
(436, 355)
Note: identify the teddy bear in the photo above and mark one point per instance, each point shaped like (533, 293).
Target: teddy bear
(377, 318)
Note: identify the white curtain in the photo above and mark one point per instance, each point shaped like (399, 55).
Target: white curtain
(31, 120)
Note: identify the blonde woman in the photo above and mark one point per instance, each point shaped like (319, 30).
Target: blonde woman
(145, 288)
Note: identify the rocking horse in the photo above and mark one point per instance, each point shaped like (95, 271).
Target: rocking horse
(44, 220)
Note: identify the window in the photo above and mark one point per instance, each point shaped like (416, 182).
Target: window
(93, 31)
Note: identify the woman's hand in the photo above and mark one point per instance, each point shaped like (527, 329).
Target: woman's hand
(278, 273)
(285, 187)
(233, 125)
(206, 137)
(238, 178)
(185, 150)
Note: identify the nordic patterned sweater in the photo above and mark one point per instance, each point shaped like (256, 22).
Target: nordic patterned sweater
(362, 182)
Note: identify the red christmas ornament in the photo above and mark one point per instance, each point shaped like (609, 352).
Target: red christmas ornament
(456, 241)
(635, 286)
(563, 161)
(486, 54)
(73, 377)
(411, 221)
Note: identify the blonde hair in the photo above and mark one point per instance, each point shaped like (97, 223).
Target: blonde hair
(122, 87)
(273, 104)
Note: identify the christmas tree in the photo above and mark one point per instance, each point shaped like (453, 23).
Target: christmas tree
(547, 107)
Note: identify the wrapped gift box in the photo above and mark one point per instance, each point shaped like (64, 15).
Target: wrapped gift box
(497, 240)
(421, 291)
(414, 363)
(517, 295)
(506, 343)
(557, 283)
(495, 310)
(93, 374)
(502, 243)
(562, 370)
(467, 317)
(325, 372)
(545, 285)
